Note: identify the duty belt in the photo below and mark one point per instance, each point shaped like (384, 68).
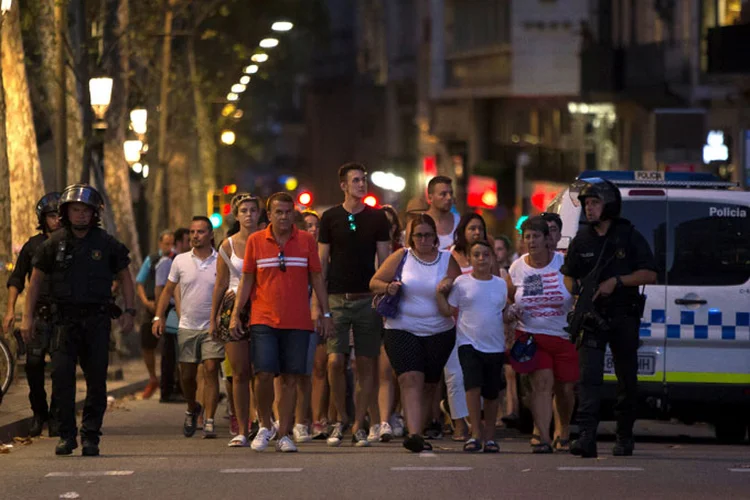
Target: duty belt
(78, 310)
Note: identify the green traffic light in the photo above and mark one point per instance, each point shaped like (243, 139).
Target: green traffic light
(216, 220)
(520, 222)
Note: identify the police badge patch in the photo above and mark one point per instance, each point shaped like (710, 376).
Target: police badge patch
(96, 254)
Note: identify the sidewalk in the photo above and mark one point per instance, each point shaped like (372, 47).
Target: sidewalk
(15, 412)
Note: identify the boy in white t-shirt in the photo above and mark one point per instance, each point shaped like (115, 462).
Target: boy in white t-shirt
(479, 299)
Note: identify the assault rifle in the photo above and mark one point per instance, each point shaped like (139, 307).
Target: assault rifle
(584, 315)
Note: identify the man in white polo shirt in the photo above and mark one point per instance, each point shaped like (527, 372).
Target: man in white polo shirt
(195, 272)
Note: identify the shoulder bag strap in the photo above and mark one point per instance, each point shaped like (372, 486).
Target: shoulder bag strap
(400, 268)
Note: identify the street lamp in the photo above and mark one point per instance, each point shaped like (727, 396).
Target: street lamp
(268, 43)
(282, 26)
(228, 137)
(101, 95)
(245, 80)
(232, 97)
(252, 69)
(139, 120)
(260, 57)
(238, 88)
(5, 6)
(132, 150)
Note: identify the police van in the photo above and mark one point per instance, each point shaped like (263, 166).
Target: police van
(694, 362)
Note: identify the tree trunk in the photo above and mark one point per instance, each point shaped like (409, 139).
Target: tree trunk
(116, 169)
(178, 182)
(206, 138)
(26, 183)
(6, 243)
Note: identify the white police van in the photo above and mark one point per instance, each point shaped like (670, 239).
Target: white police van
(694, 362)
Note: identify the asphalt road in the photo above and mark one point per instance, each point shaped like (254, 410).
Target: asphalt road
(145, 456)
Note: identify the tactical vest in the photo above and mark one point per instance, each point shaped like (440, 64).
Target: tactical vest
(82, 272)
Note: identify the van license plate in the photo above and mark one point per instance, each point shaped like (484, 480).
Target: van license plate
(646, 364)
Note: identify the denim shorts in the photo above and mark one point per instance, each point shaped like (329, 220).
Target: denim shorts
(279, 351)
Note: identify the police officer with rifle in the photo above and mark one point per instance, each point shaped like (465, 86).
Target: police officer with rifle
(49, 221)
(81, 261)
(606, 264)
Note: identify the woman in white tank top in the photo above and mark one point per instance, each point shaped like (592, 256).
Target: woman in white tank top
(246, 209)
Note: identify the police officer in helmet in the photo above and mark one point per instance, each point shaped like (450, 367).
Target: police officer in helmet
(49, 221)
(80, 261)
(625, 262)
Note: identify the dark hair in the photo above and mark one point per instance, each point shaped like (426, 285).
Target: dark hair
(483, 243)
(415, 221)
(263, 218)
(506, 241)
(203, 218)
(459, 237)
(552, 217)
(180, 233)
(233, 230)
(535, 224)
(397, 233)
(241, 198)
(348, 167)
(307, 212)
(281, 196)
(438, 179)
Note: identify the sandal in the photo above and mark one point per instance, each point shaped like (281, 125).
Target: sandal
(535, 440)
(542, 448)
(491, 447)
(561, 445)
(472, 446)
(427, 446)
(238, 441)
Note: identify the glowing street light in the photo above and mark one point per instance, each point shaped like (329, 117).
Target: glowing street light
(259, 58)
(228, 137)
(5, 6)
(238, 88)
(245, 80)
(282, 26)
(252, 69)
(269, 43)
(101, 95)
(232, 97)
(139, 120)
(137, 167)
(145, 171)
(132, 150)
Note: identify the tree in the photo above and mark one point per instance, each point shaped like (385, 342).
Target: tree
(26, 183)
(6, 243)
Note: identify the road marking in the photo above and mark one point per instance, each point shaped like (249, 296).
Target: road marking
(251, 471)
(94, 473)
(409, 469)
(427, 454)
(605, 469)
(740, 470)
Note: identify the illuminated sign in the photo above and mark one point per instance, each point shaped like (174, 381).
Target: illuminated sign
(715, 149)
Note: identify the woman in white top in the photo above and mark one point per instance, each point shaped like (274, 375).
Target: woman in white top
(541, 307)
(246, 209)
(419, 340)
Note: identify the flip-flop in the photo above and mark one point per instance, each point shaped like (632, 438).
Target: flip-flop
(472, 446)
(491, 447)
(535, 440)
(542, 448)
(561, 445)
(238, 441)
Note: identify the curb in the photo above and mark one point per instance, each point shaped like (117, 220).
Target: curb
(21, 427)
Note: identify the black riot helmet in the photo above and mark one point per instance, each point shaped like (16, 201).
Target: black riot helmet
(81, 193)
(46, 205)
(596, 187)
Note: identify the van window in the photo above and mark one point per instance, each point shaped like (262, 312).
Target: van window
(710, 244)
(650, 218)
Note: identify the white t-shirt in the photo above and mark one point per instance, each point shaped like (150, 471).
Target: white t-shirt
(480, 312)
(418, 311)
(196, 278)
(542, 296)
(446, 240)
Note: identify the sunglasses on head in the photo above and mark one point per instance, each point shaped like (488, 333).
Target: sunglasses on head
(282, 262)
(352, 224)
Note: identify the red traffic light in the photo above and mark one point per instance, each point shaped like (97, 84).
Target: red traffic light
(226, 209)
(230, 189)
(370, 200)
(304, 198)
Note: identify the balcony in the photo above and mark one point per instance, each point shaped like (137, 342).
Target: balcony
(728, 49)
(656, 64)
(483, 72)
(601, 71)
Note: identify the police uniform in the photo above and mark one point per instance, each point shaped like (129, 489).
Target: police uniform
(623, 251)
(81, 272)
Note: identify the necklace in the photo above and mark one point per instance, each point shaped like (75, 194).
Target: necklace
(413, 254)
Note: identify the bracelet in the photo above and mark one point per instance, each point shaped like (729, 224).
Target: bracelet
(155, 319)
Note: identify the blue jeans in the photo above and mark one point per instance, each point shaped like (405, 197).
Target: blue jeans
(279, 351)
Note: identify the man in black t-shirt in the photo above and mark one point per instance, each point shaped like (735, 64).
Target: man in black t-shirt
(351, 234)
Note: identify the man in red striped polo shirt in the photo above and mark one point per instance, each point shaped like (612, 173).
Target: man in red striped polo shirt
(280, 264)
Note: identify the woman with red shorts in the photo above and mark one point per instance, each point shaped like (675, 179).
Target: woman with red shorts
(541, 305)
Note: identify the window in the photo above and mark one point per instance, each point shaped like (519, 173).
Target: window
(480, 24)
(650, 219)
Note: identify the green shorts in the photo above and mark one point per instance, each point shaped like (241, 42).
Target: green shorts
(359, 317)
(196, 346)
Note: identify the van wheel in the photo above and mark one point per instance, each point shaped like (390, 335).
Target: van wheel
(730, 431)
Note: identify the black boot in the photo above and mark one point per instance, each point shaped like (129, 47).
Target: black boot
(584, 446)
(37, 424)
(624, 446)
(90, 448)
(53, 428)
(66, 446)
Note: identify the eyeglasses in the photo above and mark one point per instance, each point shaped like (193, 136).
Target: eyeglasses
(423, 236)
(282, 262)
(352, 224)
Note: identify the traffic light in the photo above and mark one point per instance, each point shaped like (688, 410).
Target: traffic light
(305, 198)
(230, 189)
(520, 222)
(370, 200)
(213, 205)
(226, 209)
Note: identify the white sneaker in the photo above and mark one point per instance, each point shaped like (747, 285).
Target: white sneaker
(285, 445)
(274, 430)
(397, 424)
(386, 433)
(337, 435)
(301, 434)
(209, 431)
(261, 440)
(374, 434)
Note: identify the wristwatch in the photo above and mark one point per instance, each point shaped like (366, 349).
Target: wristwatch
(130, 311)
(618, 282)
(327, 315)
